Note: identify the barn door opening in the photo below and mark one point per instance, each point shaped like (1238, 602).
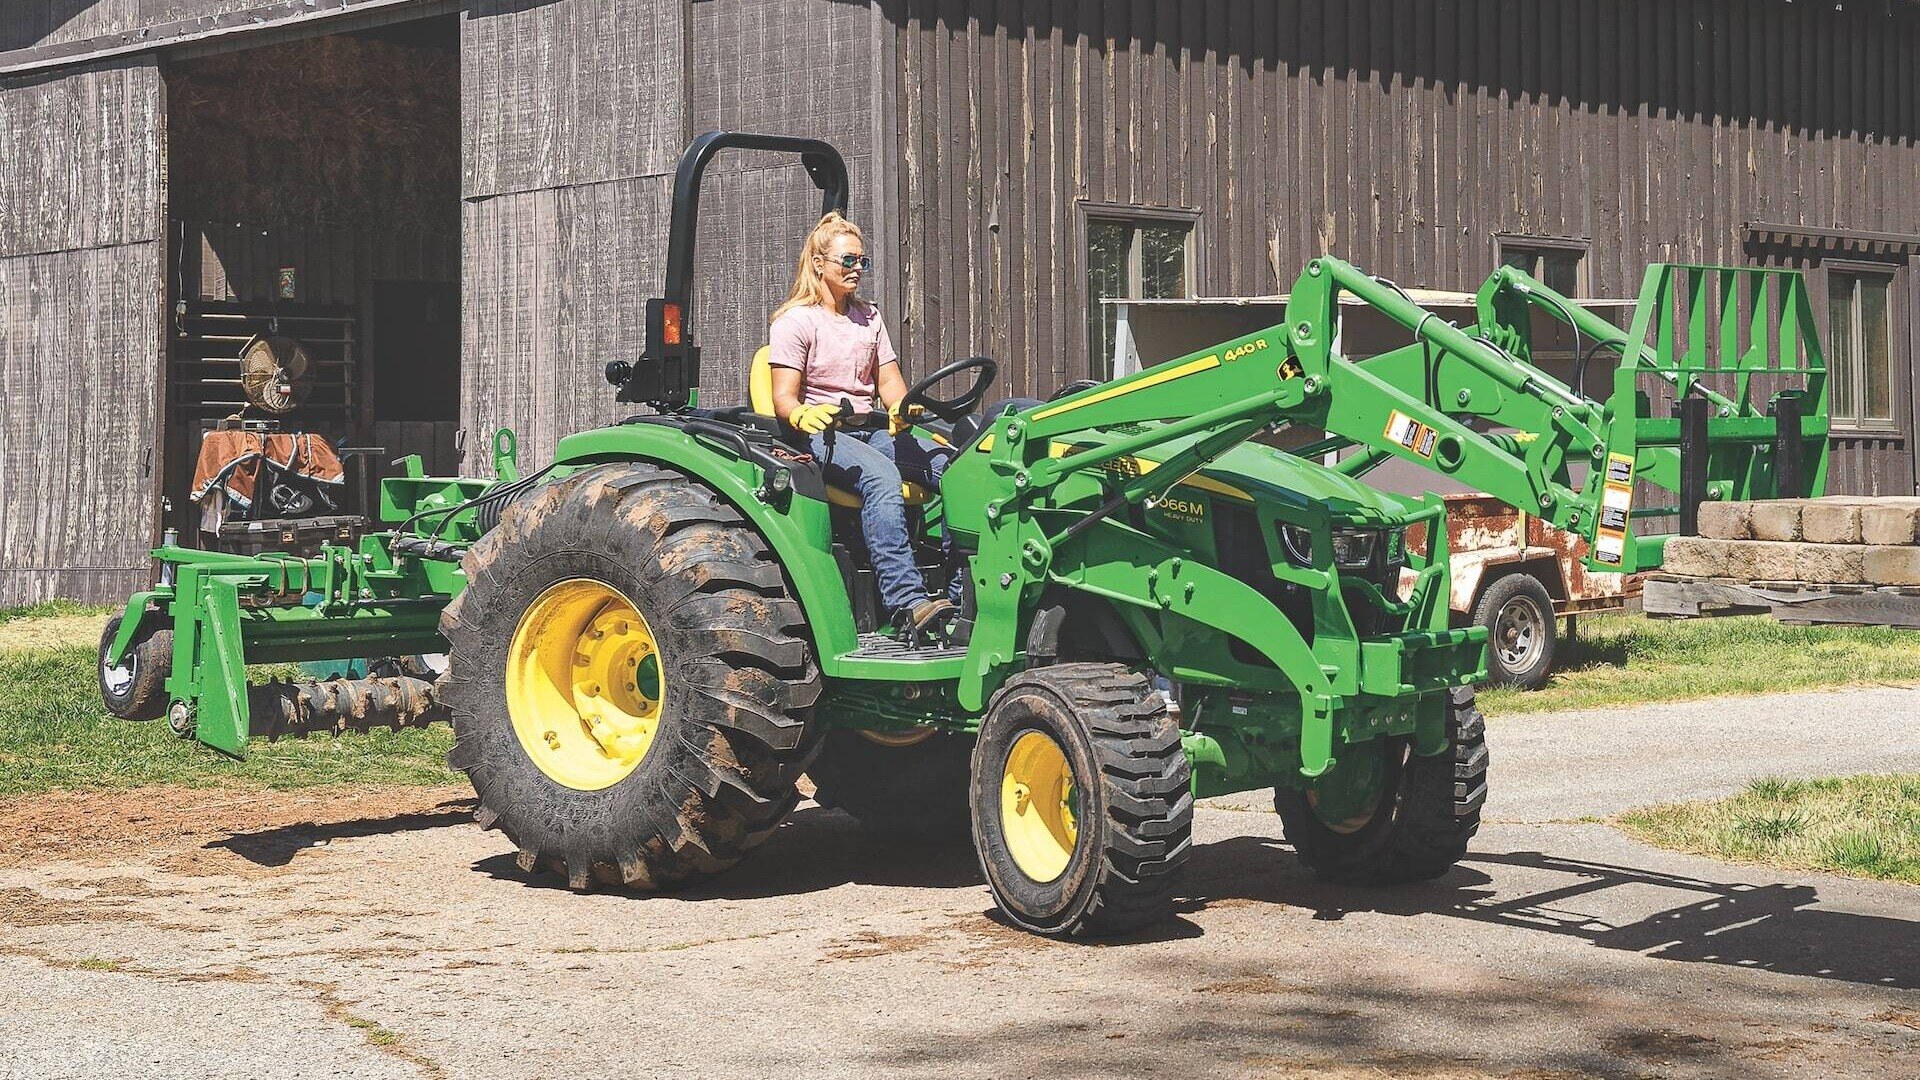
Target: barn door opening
(315, 227)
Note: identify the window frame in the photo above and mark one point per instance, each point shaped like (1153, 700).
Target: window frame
(1582, 249)
(1133, 216)
(1888, 276)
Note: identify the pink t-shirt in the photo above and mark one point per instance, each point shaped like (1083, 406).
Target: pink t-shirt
(839, 356)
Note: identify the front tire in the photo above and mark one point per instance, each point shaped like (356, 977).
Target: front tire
(1427, 810)
(631, 694)
(1082, 801)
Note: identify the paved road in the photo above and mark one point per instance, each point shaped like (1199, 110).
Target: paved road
(408, 946)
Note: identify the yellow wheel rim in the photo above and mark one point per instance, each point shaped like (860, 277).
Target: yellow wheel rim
(1037, 811)
(584, 684)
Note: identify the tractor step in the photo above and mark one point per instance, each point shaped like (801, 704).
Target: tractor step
(877, 646)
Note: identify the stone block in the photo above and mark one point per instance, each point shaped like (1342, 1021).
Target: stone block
(1753, 560)
(1833, 564)
(1830, 522)
(1890, 522)
(1695, 556)
(1892, 565)
(1726, 521)
(1777, 519)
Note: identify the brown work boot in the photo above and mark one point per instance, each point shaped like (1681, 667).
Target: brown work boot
(927, 620)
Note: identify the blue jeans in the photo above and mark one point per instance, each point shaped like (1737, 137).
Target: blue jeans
(873, 463)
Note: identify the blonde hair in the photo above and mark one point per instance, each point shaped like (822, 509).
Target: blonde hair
(809, 287)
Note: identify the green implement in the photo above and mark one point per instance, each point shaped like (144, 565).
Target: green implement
(650, 640)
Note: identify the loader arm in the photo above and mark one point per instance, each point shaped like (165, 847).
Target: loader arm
(1570, 460)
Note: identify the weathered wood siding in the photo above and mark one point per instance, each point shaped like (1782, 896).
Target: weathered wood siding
(1401, 134)
(790, 67)
(80, 323)
(573, 118)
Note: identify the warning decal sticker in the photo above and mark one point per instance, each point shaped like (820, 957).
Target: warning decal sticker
(1410, 433)
(1616, 507)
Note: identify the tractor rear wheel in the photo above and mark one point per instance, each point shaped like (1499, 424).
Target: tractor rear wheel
(135, 688)
(631, 694)
(1082, 808)
(1421, 813)
(896, 783)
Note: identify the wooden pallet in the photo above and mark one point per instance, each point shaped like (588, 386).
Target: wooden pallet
(1673, 596)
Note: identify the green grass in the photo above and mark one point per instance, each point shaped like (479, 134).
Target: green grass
(53, 735)
(1866, 826)
(1631, 660)
(49, 609)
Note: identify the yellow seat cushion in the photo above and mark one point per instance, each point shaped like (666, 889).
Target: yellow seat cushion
(760, 397)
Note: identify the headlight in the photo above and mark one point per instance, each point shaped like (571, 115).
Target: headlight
(1352, 548)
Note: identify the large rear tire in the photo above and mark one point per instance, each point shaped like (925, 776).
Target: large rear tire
(1082, 801)
(912, 784)
(1427, 809)
(630, 690)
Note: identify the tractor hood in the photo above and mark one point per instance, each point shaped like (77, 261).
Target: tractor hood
(1252, 472)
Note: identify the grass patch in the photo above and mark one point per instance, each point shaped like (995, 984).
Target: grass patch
(1865, 826)
(1631, 659)
(50, 609)
(54, 735)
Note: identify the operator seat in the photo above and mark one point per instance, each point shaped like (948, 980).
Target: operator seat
(760, 397)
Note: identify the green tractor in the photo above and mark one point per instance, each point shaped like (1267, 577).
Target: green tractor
(655, 636)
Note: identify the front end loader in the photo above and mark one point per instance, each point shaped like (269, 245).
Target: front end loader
(651, 639)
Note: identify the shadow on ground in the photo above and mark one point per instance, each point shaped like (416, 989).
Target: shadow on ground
(1769, 927)
(278, 846)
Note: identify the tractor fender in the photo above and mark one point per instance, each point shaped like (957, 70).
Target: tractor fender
(797, 528)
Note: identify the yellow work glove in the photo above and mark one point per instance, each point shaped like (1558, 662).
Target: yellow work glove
(899, 420)
(813, 419)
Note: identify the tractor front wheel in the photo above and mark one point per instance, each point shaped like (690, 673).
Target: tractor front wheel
(631, 694)
(1414, 817)
(1082, 808)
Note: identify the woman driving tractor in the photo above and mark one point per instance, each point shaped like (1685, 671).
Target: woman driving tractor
(830, 354)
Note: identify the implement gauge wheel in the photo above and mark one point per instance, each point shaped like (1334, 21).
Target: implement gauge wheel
(631, 696)
(1385, 815)
(1517, 611)
(1082, 813)
(135, 688)
(905, 783)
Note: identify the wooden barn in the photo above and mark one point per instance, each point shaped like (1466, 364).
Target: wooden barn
(457, 206)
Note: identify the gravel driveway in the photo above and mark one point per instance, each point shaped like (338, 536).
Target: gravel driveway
(380, 935)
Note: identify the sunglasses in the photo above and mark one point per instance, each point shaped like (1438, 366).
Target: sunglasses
(851, 262)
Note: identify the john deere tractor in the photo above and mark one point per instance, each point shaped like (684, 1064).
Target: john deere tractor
(656, 635)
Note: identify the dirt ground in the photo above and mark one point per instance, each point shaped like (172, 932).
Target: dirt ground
(378, 933)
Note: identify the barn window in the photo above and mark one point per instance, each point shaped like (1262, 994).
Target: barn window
(1133, 255)
(1560, 264)
(1860, 348)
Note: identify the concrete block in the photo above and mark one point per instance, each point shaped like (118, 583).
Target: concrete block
(1892, 565)
(1777, 519)
(1695, 556)
(1890, 521)
(1833, 564)
(1726, 521)
(1752, 560)
(1830, 522)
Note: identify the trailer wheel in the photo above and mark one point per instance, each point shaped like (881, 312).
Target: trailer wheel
(631, 694)
(135, 688)
(1416, 826)
(1517, 611)
(897, 784)
(1082, 808)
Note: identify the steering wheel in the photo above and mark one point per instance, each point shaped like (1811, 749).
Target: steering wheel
(952, 409)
